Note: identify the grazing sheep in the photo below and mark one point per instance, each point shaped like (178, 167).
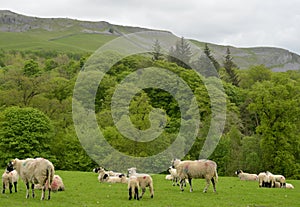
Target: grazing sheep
(133, 187)
(263, 179)
(196, 169)
(10, 177)
(35, 171)
(289, 185)
(57, 184)
(271, 179)
(280, 179)
(144, 180)
(246, 176)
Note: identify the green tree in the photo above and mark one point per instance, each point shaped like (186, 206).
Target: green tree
(181, 53)
(24, 132)
(230, 68)
(31, 68)
(207, 52)
(156, 54)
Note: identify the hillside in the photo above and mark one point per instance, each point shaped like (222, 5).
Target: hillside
(20, 32)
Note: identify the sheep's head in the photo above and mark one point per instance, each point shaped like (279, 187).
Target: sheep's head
(131, 171)
(175, 162)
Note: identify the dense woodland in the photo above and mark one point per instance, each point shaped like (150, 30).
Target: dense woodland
(262, 130)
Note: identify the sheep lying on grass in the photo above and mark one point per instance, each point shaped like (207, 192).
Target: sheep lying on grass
(196, 169)
(110, 173)
(35, 171)
(169, 177)
(57, 184)
(246, 176)
(133, 187)
(105, 177)
(144, 180)
(10, 177)
(289, 185)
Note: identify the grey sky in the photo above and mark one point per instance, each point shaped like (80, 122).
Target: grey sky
(241, 23)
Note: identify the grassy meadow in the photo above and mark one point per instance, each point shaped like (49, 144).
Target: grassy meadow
(84, 190)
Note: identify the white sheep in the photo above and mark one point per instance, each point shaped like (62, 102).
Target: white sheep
(145, 180)
(280, 179)
(289, 185)
(271, 179)
(35, 171)
(57, 184)
(246, 176)
(133, 187)
(174, 175)
(263, 179)
(169, 177)
(196, 169)
(115, 179)
(110, 173)
(10, 177)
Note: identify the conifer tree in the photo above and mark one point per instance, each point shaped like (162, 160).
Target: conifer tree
(230, 68)
(207, 52)
(181, 53)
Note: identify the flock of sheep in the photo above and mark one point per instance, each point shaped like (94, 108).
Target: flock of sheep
(38, 172)
(180, 171)
(265, 179)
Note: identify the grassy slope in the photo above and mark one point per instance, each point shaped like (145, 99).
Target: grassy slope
(83, 189)
(58, 41)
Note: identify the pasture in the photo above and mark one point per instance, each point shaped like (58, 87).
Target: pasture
(84, 190)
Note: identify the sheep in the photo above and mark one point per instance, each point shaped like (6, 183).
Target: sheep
(271, 179)
(133, 187)
(115, 179)
(35, 171)
(263, 179)
(289, 185)
(110, 173)
(174, 175)
(277, 184)
(57, 184)
(169, 177)
(280, 179)
(246, 176)
(10, 177)
(196, 169)
(144, 180)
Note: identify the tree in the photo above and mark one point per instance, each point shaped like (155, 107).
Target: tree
(181, 53)
(24, 132)
(156, 54)
(230, 68)
(31, 68)
(207, 52)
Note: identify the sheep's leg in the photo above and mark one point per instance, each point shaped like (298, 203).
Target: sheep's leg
(181, 184)
(43, 193)
(136, 193)
(10, 187)
(207, 185)
(3, 188)
(130, 193)
(49, 192)
(27, 190)
(143, 191)
(32, 189)
(190, 182)
(15, 184)
(214, 184)
(151, 190)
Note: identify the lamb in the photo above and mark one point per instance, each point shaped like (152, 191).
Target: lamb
(196, 169)
(10, 177)
(133, 186)
(289, 185)
(57, 184)
(115, 179)
(174, 175)
(246, 176)
(35, 171)
(169, 177)
(263, 179)
(280, 179)
(144, 180)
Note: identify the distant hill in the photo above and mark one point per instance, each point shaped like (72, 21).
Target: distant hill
(20, 32)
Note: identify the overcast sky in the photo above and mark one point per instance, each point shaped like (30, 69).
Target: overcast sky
(241, 23)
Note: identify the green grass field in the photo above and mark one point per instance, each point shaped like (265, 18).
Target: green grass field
(83, 189)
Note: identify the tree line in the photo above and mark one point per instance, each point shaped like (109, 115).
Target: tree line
(262, 110)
